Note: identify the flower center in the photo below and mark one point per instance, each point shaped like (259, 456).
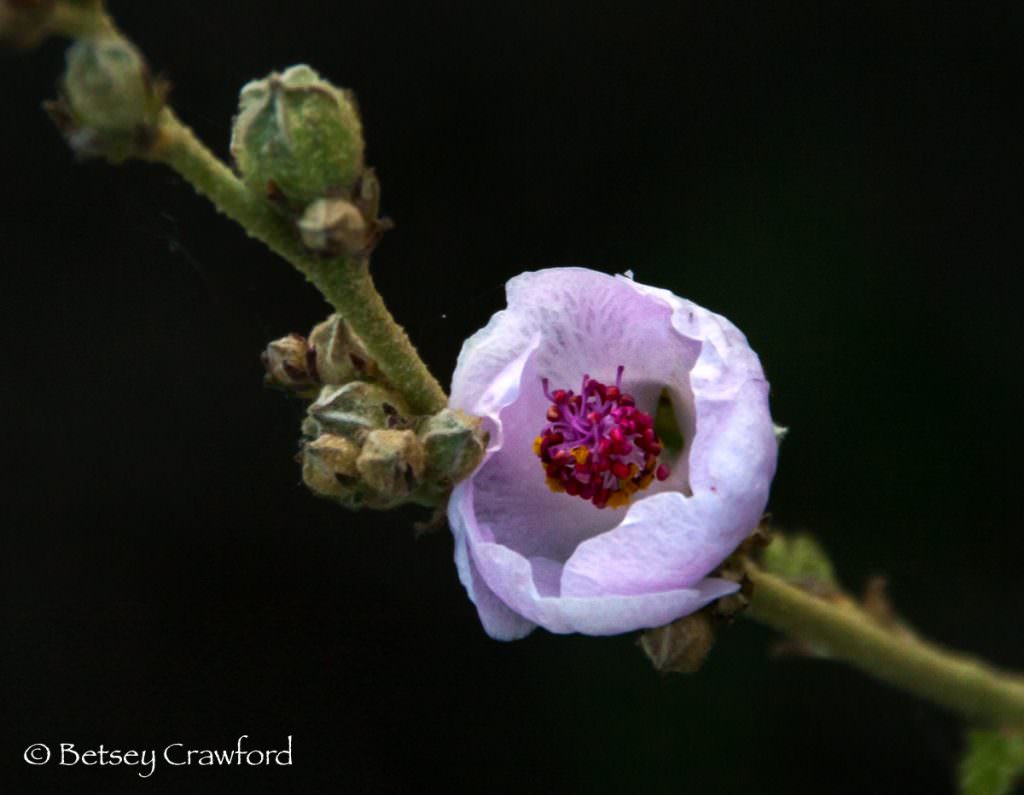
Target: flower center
(598, 445)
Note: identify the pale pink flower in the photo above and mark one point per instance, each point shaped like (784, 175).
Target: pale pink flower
(578, 519)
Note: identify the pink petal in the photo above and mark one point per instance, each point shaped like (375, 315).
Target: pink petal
(524, 587)
(499, 620)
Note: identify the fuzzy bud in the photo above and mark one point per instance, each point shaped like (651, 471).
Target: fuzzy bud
(339, 353)
(454, 444)
(109, 104)
(332, 227)
(329, 466)
(354, 410)
(288, 363)
(392, 462)
(297, 137)
(335, 226)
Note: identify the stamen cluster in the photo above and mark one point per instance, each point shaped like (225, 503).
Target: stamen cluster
(598, 445)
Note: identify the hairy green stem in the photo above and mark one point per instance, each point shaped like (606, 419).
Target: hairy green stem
(76, 20)
(345, 282)
(845, 632)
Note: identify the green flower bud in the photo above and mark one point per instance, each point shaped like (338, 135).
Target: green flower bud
(354, 410)
(339, 353)
(454, 444)
(109, 104)
(392, 462)
(298, 137)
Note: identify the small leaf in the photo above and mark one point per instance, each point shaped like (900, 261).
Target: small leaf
(993, 762)
(799, 558)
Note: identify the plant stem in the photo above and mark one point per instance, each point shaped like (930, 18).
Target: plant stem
(76, 20)
(345, 282)
(845, 632)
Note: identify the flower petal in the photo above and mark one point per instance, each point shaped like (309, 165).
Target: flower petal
(500, 621)
(528, 556)
(585, 319)
(526, 586)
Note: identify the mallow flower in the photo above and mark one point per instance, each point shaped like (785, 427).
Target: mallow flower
(584, 515)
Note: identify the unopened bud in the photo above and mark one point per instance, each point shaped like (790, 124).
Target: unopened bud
(332, 227)
(288, 363)
(392, 462)
(454, 443)
(682, 646)
(354, 409)
(109, 104)
(339, 353)
(329, 466)
(297, 137)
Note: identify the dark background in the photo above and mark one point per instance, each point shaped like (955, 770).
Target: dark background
(845, 185)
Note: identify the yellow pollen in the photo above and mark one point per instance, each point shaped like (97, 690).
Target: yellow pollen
(555, 485)
(630, 486)
(536, 445)
(580, 454)
(618, 499)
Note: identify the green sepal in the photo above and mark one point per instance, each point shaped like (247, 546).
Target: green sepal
(798, 558)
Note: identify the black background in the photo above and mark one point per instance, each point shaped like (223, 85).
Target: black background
(845, 185)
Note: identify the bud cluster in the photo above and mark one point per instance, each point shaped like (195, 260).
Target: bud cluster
(361, 446)
(332, 354)
(298, 141)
